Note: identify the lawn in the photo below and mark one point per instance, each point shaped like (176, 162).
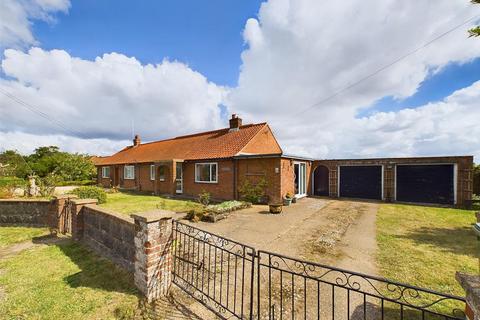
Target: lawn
(127, 203)
(12, 235)
(425, 246)
(63, 281)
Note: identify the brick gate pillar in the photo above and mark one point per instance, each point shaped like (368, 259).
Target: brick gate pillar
(153, 253)
(471, 284)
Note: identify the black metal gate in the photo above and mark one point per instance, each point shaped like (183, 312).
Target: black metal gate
(234, 280)
(214, 270)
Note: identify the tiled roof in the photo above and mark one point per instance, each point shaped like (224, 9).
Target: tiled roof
(216, 144)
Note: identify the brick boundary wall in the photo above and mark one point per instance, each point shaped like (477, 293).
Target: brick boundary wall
(109, 234)
(25, 211)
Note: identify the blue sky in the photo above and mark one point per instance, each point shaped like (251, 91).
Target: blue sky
(206, 35)
(434, 88)
(265, 61)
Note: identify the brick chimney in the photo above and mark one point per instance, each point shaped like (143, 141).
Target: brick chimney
(136, 141)
(235, 122)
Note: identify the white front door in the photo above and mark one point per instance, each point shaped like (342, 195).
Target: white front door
(300, 170)
(178, 178)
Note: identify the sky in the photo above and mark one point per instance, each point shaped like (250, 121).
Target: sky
(357, 78)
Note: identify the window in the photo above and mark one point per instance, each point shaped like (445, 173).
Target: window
(129, 172)
(152, 172)
(105, 172)
(206, 172)
(161, 173)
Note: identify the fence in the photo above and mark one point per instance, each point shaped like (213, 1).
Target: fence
(234, 280)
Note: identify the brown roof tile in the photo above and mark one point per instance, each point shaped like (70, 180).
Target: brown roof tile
(216, 144)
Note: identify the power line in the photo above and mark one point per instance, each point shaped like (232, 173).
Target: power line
(40, 113)
(388, 65)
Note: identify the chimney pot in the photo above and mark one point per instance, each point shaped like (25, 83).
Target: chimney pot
(235, 122)
(136, 140)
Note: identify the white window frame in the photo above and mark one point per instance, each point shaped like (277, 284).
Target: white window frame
(125, 172)
(211, 165)
(152, 172)
(104, 169)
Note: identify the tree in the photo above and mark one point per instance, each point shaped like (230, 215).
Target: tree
(48, 161)
(13, 164)
(475, 32)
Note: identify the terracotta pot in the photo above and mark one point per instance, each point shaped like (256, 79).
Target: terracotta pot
(275, 208)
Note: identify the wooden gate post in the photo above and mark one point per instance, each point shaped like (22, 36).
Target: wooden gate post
(153, 253)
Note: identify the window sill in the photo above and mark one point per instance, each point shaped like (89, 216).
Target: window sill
(208, 182)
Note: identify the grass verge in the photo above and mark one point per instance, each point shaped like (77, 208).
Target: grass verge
(425, 246)
(63, 281)
(128, 203)
(12, 235)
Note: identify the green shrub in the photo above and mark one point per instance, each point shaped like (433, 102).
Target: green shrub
(204, 198)
(76, 183)
(47, 184)
(91, 192)
(195, 215)
(12, 182)
(253, 193)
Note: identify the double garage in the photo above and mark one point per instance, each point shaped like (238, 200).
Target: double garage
(442, 180)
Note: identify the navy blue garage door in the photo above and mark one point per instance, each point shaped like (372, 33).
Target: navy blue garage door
(426, 183)
(363, 182)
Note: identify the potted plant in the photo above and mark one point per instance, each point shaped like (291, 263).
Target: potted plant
(275, 208)
(294, 199)
(288, 199)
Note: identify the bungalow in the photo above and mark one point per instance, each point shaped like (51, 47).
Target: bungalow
(218, 162)
(222, 161)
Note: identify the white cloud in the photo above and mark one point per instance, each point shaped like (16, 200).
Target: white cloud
(16, 18)
(25, 143)
(101, 98)
(300, 52)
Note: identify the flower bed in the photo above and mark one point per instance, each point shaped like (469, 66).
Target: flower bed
(215, 212)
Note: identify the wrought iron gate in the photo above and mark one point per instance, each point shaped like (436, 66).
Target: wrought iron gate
(234, 280)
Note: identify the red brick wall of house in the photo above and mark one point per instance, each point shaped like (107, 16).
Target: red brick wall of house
(464, 173)
(288, 176)
(167, 186)
(144, 182)
(256, 169)
(221, 190)
(263, 143)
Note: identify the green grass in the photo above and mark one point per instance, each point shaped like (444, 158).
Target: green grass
(64, 281)
(127, 203)
(12, 235)
(425, 246)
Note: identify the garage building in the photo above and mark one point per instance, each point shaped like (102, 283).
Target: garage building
(422, 180)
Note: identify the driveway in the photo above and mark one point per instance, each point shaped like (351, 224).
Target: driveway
(335, 232)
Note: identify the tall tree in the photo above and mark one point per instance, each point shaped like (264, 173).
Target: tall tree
(475, 32)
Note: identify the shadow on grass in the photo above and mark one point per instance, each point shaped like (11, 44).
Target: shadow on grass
(459, 240)
(99, 273)
(95, 272)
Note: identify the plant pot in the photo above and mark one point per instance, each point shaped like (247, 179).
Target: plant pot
(287, 201)
(275, 208)
(294, 200)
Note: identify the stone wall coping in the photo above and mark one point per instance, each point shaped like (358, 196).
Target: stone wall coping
(85, 201)
(66, 196)
(112, 214)
(27, 200)
(153, 216)
(471, 284)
